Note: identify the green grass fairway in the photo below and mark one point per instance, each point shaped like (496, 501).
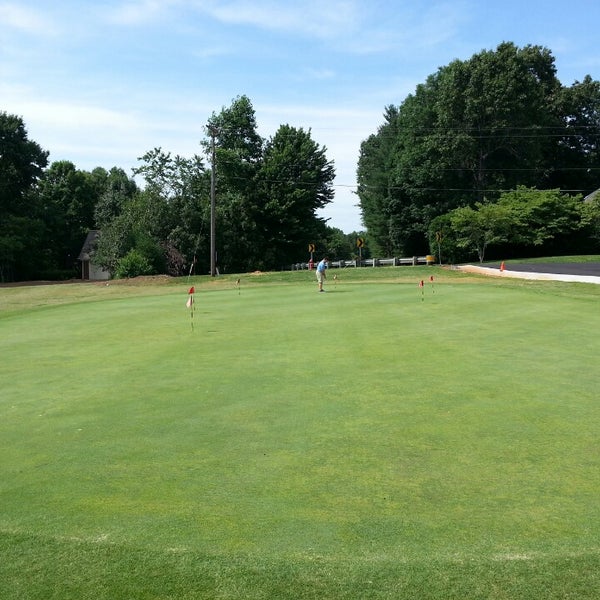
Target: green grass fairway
(376, 441)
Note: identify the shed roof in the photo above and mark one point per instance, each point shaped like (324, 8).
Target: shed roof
(89, 245)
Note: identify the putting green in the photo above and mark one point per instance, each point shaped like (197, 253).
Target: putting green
(376, 422)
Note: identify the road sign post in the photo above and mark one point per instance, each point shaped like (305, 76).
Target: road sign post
(360, 242)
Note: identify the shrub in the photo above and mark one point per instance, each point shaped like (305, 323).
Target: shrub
(133, 264)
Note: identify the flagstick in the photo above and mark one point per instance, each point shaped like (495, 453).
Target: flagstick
(190, 305)
(191, 269)
(239, 287)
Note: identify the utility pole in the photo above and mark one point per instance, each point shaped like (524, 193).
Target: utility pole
(213, 221)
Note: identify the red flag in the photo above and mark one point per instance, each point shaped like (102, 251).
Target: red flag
(431, 279)
(190, 300)
(421, 284)
(190, 305)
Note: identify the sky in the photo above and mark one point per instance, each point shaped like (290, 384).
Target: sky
(99, 83)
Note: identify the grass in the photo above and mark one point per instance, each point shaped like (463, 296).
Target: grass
(371, 442)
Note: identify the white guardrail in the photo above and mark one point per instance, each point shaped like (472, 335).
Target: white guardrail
(371, 262)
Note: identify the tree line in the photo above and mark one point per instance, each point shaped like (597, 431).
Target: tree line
(268, 193)
(491, 156)
(491, 153)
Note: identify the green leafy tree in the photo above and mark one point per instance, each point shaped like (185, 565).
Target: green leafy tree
(375, 171)
(164, 222)
(475, 129)
(67, 197)
(443, 243)
(340, 245)
(267, 192)
(141, 226)
(294, 181)
(591, 220)
(238, 150)
(183, 184)
(118, 189)
(526, 220)
(543, 219)
(477, 228)
(22, 162)
(239, 147)
(575, 159)
(22, 227)
(115, 241)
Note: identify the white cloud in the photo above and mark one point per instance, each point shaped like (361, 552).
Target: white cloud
(137, 12)
(87, 128)
(311, 17)
(26, 20)
(411, 29)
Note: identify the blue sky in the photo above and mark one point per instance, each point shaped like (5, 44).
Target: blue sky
(101, 82)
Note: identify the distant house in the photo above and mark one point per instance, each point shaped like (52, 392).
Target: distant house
(89, 270)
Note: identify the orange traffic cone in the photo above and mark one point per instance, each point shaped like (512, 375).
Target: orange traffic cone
(502, 266)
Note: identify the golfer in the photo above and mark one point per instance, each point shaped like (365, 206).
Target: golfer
(321, 276)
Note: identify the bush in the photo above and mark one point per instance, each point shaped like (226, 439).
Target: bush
(133, 264)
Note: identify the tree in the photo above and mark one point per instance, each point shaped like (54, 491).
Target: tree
(238, 153)
(22, 162)
(374, 175)
(576, 156)
(473, 130)
(118, 189)
(443, 242)
(163, 223)
(183, 185)
(267, 191)
(481, 226)
(294, 181)
(67, 197)
(543, 218)
(239, 147)
(591, 220)
(340, 245)
(526, 219)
